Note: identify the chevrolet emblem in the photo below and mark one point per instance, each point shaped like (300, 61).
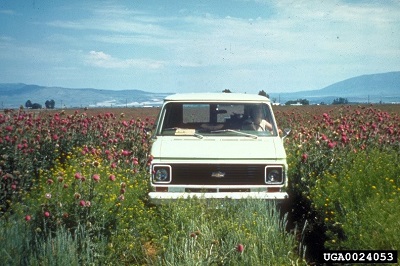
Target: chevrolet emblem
(218, 174)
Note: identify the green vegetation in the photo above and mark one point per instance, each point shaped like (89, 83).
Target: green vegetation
(298, 102)
(340, 100)
(74, 190)
(345, 168)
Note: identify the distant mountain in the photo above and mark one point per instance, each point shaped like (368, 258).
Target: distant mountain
(14, 95)
(373, 88)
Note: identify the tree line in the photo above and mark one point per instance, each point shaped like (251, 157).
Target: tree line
(49, 104)
(298, 101)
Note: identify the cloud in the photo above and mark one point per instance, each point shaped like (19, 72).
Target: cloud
(292, 44)
(332, 39)
(103, 60)
(4, 38)
(308, 31)
(77, 25)
(7, 12)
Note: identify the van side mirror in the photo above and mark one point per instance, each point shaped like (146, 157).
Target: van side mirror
(286, 132)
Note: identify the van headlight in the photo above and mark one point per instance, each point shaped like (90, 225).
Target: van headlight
(274, 174)
(162, 173)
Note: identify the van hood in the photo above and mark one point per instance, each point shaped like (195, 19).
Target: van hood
(167, 148)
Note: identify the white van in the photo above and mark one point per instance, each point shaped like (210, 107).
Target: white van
(217, 145)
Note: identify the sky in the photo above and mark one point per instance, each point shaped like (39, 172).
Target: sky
(204, 45)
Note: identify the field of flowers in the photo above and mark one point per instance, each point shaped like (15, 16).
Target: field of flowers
(74, 189)
(344, 165)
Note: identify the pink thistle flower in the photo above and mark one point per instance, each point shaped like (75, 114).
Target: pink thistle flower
(78, 176)
(240, 248)
(46, 214)
(96, 177)
(304, 157)
(28, 218)
(112, 177)
(125, 153)
(331, 145)
(82, 203)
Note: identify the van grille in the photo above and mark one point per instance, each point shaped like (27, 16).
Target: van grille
(217, 174)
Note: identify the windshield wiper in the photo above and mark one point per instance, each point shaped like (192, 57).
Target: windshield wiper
(197, 135)
(237, 132)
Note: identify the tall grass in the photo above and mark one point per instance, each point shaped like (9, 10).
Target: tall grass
(224, 232)
(22, 246)
(185, 232)
(15, 238)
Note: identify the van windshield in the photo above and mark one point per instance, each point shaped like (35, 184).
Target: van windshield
(228, 119)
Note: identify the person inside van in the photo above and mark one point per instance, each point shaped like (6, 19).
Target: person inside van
(257, 120)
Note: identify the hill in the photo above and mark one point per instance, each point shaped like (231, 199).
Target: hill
(373, 88)
(15, 95)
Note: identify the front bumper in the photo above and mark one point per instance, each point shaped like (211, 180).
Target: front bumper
(158, 197)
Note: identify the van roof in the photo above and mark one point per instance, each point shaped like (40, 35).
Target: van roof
(215, 97)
